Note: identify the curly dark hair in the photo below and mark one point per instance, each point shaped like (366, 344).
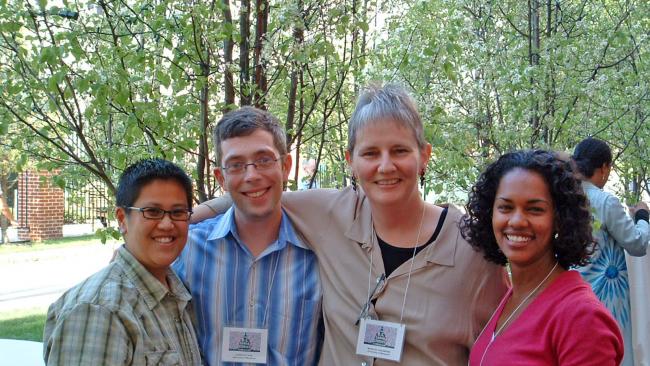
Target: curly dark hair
(574, 243)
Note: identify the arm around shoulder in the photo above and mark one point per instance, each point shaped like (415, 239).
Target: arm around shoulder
(87, 334)
(290, 200)
(211, 208)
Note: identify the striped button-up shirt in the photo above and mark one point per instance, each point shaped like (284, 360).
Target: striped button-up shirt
(280, 290)
(122, 315)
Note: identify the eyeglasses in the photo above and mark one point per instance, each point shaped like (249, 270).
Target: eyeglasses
(155, 213)
(260, 164)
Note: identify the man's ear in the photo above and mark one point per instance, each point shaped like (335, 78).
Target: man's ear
(120, 214)
(218, 173)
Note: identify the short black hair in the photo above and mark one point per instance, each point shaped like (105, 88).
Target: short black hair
(590, 154)
(243, 122)
(574, 243)
(139, 174)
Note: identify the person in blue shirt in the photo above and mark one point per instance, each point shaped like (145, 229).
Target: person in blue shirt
(255, 284)
(616, 233)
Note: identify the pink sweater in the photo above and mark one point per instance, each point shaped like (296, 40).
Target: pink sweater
(565, 325)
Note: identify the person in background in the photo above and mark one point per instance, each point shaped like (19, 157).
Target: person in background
(135, 311)
(254, 281)
(528, 210)
(615, 232)
(399, 283)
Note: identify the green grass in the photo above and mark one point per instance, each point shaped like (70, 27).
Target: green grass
(50, 244)
(25, 324)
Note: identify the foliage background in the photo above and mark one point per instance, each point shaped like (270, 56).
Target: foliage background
(90, 86)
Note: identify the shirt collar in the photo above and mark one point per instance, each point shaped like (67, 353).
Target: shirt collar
(444, 247)
(149, 287)
(225, 225)
(588, 185)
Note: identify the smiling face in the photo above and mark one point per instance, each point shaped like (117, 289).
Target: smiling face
(155, 243)
(387, 162)
(255, 193)
(523, 218)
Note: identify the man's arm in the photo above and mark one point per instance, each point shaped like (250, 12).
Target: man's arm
(632, 235)
(88, 334)
(211, 208)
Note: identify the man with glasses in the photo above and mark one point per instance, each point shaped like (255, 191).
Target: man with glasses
(136, 310)
(255, 284)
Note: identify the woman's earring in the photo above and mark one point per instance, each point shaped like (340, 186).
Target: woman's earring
(555, 235)
(353, 180)
(422, 179)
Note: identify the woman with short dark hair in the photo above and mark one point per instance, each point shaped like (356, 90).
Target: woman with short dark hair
(528, 210)
(615, 232)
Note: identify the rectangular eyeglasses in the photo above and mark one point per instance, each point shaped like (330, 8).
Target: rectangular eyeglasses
(155, 213)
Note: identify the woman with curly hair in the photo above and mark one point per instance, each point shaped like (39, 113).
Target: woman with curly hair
(528, 210)
(616, 233)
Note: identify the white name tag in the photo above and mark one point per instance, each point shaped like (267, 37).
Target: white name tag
(244, 345)
(381, 339)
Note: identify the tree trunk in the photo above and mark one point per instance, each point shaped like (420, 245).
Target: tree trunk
(296, 71)
(244, 46)
(262, 18)
(533, 55)
(203, 163)
(5, 214)
(228, 82)
(296, 169)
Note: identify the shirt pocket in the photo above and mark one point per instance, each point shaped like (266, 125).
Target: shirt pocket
(301, 318)
(162, 358)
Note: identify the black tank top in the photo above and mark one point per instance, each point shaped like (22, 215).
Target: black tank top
(394, 256)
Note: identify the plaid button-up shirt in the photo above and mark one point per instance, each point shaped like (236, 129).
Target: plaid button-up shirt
(122, 315)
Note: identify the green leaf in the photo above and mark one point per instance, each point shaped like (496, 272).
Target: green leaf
(449, 71)
(164, 78)
(180, 112)
(122, 95)
(52, 84)
(364, 26)
(11, 27)
(59, 181)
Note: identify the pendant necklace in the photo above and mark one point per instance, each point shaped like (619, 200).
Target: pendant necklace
(505, 323)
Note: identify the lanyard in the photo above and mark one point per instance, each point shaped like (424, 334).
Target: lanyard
(380, 279)
(268, 296)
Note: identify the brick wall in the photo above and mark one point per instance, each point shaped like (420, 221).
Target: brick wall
(40, 207)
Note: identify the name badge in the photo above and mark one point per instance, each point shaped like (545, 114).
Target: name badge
(244, 345)
(381, 339)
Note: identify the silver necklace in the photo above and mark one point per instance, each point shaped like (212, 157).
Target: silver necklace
(498, 330)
